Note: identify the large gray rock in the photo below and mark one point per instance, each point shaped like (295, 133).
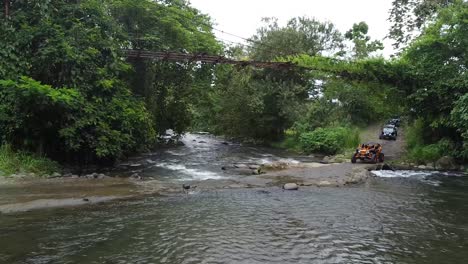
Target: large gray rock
(101, 176)
(423, 167)
(385, 166)
(324, 184)
(291, 187)
(92, 176)
(136, 176)
(245, 171)
(446, 163)
(241, 166)
(254, 167)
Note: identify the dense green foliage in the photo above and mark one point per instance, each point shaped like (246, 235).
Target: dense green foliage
(77, 45)
(362, 44)
(68, 91)
(459, 117)
(169, 90)
(420, 151)
(438, 98)
(301, 35)
(256, 104)
(409, 17)
(329, 140)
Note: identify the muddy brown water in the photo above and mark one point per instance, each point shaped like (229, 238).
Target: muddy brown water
(397, 217)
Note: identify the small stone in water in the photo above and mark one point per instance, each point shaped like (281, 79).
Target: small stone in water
(291, 187)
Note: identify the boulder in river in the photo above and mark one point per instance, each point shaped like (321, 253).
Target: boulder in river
(241, 166)
(385, 166)
(291, 187)
(324, 184)
(101, 176)
(275, 166)
(136, 176)
(91, 176)
(446, 163)
(255, 167)
(243, 169)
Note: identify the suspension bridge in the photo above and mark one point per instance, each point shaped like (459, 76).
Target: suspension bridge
(204, 58)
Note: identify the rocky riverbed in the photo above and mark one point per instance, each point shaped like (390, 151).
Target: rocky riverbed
(29, 193)
(204, 161)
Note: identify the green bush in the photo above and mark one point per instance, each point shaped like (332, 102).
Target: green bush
(414, 134)
(423, 154)
(19, 161)
(290, 141)
(459, 118)
(62, 122)
(422, 148)
(329, 140)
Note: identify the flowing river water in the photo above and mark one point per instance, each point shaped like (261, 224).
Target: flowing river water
(396, 217)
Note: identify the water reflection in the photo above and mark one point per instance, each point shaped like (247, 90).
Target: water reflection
(384, 221)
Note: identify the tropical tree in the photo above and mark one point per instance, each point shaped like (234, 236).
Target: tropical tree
(169, 89)
(301, 35)
(363, 47)
(61, 46)
(409, 18)
(438, 61)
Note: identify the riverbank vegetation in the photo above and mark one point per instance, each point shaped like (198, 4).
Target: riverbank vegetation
(22, 162)
(69, 92)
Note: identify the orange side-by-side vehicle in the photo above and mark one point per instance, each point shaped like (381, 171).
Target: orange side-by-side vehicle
(369, 152)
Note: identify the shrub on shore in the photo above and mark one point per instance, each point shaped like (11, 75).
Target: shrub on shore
(23, 162)
(329, 140)
(423, 149)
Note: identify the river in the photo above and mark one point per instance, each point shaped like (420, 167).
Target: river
(397, 217)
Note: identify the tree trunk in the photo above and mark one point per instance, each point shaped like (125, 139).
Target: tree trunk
(6, 4)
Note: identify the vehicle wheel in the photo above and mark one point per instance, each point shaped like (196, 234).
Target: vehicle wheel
(374, 158)
(353, 159)
(382, 157)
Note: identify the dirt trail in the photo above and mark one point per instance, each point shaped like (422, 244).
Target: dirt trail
(337, 174)
(393, 149)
